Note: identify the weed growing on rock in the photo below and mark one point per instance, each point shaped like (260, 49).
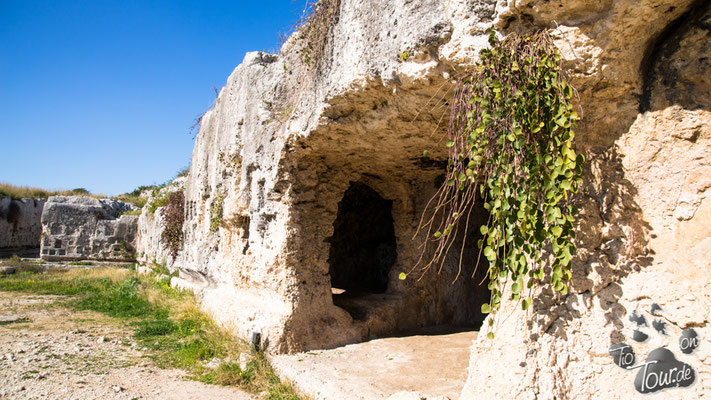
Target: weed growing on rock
(216, 212)
(174, 217)
(510, 142)
(322, 15)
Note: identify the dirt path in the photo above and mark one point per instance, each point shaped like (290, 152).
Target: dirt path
(50, 352)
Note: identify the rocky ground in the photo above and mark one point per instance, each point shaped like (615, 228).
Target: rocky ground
(50, 352)
(427, 365)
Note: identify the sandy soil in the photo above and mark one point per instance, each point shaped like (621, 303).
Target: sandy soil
(50, 352)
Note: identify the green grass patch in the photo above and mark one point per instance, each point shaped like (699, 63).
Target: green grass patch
(15, 321)
(81, 263)
(166, 321)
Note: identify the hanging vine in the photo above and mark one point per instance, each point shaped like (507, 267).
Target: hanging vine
(510, 142)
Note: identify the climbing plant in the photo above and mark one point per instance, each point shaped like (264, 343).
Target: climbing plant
(510, 143)
(174, 216)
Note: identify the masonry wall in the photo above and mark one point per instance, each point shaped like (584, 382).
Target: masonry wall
(76, 228)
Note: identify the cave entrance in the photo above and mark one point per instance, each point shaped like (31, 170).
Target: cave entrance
(363, 249)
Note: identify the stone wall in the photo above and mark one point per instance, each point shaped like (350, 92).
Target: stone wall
(20, 222)
(76, 228)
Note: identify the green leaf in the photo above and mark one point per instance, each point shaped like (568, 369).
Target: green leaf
(556, 230)
(425, 154)
(489, 253)
(402, 276)
(490, 335)
(450, 143)
(437, 234)
(483, 229)
(525, 304)
(516, 288)
(485, 308)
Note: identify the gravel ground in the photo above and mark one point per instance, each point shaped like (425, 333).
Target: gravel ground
(50, 352)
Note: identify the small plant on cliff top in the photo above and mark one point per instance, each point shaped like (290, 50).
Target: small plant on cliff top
(174, 216)
(321, 16)
(510, 141)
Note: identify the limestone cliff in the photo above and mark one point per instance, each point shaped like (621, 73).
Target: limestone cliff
(289, 145)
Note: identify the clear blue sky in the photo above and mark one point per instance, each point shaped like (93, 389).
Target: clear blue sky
(101, 94)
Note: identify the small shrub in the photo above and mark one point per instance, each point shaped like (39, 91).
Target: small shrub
(227, 374)
(22, 266)
(174, 215)
(404, 56)
(159, 200)
(80, 191)
(131, 212)
(183, 172)
(216, 212)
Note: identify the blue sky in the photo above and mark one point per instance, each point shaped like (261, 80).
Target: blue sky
(101, 94)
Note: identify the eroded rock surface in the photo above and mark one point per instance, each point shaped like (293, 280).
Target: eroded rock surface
(642, 71)
(150, 248)
(286, 142)
(77, 227)
(20, 222)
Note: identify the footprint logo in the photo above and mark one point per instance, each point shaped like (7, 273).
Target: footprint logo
(661, 369)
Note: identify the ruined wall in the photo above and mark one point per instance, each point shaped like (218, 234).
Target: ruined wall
(285, 142)
(20, 224)
(77, 228)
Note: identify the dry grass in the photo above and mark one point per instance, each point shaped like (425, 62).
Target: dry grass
(113, 274)
(22, 192)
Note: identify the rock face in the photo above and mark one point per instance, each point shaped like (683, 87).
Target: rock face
(294, 158)
(642, 70)
(20, 224)
(75, 228)
(292, 161)
(149, 247)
